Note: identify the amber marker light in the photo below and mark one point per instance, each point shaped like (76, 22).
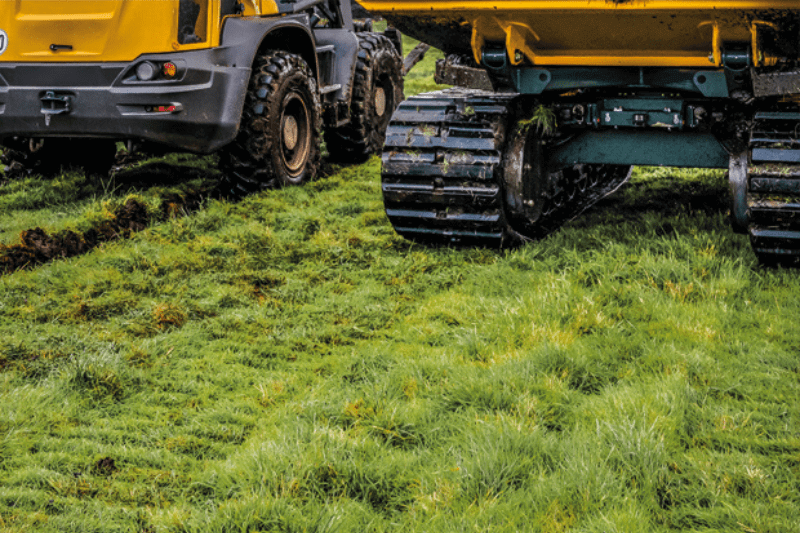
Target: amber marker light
(169, 70)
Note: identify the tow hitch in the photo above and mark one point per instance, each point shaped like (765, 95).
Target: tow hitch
(55, 104)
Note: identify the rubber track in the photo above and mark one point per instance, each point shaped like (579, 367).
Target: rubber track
(606, 180)
(773, 197)
(442, 172)
(441, 165)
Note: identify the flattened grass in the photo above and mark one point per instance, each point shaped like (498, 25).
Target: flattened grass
(288, 363)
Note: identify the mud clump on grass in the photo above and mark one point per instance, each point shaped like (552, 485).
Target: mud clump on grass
(37, 246)
(105, 466)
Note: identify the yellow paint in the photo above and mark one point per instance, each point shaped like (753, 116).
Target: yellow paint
(760, 59)
(268, 7)
(477, 42)
(581, 5)
(258, 8)
(107, 30)
(518, 37)
(663, 33)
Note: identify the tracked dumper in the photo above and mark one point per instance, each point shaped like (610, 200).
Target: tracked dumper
(563, 96)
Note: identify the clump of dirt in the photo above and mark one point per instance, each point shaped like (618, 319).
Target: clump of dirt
(128, 218)
(37, 246)
(105, 466)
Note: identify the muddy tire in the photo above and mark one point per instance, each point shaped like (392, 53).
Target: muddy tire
(377, 91)
(50, 157)
(279, 141)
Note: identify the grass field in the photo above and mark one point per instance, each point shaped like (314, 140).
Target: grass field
(288, 363)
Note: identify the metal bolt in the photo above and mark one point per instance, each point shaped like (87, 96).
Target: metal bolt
(518, 56)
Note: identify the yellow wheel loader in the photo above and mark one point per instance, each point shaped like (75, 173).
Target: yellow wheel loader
(255, 80)
(563, 96)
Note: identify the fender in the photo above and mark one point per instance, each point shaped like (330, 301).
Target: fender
(243, 38)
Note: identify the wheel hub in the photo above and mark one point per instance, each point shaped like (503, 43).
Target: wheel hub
(290, 132)
(380, 101)
(296, 134)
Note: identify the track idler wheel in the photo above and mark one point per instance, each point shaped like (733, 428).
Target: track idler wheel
(525, 183)
(737, 177)
(539, 201)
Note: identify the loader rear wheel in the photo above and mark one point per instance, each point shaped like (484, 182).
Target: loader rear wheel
(377, 91)
(278, 142)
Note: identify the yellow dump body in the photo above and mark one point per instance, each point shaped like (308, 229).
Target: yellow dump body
(657, 33)
(106, 30)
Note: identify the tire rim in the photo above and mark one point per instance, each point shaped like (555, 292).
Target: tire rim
(295, 134)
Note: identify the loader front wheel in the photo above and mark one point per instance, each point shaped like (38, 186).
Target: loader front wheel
(278, 142)
(377, 91)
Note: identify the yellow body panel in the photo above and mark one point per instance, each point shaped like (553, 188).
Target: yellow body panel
(665, 33)
(106, 30)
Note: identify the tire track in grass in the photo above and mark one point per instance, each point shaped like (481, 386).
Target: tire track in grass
(36, 246)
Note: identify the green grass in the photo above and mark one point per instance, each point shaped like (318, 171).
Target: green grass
(420, 79)
(288, 363)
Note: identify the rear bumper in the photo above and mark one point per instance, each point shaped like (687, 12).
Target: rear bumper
(203, 104)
